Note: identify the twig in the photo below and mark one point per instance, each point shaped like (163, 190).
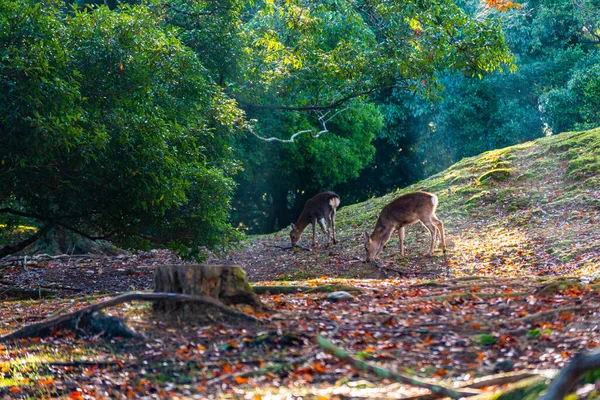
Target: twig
(31, 330)
(385, 373)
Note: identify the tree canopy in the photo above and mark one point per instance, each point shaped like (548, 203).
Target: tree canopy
(130, 121)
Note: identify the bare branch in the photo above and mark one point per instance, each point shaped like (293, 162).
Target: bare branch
(320, 118)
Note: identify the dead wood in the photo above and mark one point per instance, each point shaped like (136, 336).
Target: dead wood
(570, 375)
(227, 283)
(543, 314)
(439, 389)
(505, 378)
(47, 257)
(34, 330)
(525, 388)
(303, 289)
(474, 295)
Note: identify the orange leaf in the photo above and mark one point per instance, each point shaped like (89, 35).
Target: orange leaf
(240, 380)
(16, 389)
(227, 368)
(46, 382)
(76, 395)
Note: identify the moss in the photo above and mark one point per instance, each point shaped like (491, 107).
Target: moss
(482, 195)
(584, 166)
(500, 174)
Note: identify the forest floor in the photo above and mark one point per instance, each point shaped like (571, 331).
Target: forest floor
(517, 293)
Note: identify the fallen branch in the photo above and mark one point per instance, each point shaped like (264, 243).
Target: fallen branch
(544, 314)
(569, 376)
(505, 378)
(463, 296)
(54, 323)
(303, 289)
(527, 388)
(441, 390)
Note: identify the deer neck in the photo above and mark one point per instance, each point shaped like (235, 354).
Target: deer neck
(302, 223)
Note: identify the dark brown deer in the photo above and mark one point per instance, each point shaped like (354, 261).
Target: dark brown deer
(321, 208)
(396, 216)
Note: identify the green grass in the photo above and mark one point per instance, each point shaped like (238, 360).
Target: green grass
(539, 160)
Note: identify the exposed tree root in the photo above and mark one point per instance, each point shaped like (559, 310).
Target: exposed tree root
(439, 389)
(569, 376)
(525, 389)
(543, 314)
(464, 296)
(303, 289)
(34, 330)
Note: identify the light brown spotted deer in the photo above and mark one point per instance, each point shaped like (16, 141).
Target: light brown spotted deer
(397, 215)
(321, 208)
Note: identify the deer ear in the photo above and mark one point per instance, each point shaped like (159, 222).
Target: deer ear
(366, 236)
(293, 226)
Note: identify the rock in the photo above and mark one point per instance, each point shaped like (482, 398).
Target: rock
(504, 366)
(334, 297)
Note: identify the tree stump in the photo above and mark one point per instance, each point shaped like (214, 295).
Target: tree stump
(226, 283)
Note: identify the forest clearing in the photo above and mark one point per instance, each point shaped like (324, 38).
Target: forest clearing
(513, 300)
(300, 199)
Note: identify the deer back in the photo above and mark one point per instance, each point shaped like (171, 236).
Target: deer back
(407, 209)
(320, 206)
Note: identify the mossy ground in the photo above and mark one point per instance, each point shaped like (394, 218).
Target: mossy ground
(531, 209)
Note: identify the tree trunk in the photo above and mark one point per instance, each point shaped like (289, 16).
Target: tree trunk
(226, 283)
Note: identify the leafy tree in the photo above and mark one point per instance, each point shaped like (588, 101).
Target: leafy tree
(555, 43)
(111, 127)
(313, 59)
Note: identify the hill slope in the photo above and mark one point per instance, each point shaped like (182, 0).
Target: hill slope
(529, 209)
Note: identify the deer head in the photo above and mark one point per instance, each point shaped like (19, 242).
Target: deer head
(295, 234)
(371, 247)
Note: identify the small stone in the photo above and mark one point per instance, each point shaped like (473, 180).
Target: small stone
(339, 296)
(504, 366)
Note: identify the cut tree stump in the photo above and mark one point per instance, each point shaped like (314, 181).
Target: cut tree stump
(227, 283)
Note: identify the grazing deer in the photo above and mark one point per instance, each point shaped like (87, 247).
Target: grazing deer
(321, 209)
(404, 211)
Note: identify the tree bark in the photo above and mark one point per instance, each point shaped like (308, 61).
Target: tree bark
(8, 249)
(226, 283)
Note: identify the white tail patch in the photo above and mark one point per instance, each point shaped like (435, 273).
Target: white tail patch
(434, 201)
(334, 202)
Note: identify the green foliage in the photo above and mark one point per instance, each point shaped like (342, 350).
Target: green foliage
(111, 126)
(486, 339)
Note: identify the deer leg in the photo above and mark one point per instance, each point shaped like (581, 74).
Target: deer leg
(314, 225)
(433, 231)
(401, 234)
(440, 226)
(325, 230)
(333, 226)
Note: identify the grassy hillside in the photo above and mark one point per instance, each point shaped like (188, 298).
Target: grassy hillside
(529, 209)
